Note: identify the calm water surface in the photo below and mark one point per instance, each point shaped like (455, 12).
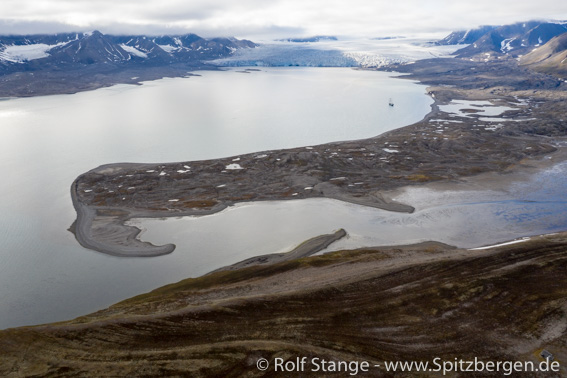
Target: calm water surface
(46, 142)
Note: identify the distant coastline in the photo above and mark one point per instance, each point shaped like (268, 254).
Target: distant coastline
(46, 83)
(43, 64)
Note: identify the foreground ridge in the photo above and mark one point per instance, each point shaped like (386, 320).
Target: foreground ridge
(375, 304)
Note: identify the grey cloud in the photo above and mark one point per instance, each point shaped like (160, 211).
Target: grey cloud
(243, 31)
(36, 27)
(260, 18)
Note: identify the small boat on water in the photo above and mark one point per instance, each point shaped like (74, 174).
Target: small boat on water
(391, 103)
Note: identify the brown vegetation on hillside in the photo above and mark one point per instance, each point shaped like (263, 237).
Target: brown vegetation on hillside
(376, 304)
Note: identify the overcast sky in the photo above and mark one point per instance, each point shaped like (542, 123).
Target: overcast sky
(264, 19)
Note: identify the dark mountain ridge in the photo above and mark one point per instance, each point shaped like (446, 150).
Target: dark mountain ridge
(34, 65)
(72, 50)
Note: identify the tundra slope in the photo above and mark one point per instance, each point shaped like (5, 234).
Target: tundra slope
(412, 303)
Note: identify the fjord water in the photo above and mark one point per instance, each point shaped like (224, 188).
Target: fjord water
(46, 142)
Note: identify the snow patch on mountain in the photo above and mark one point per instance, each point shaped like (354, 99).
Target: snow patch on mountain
(134, 51)
(505, 45)
(168, 48)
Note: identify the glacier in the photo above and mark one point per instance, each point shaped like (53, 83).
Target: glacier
(23, 53)
(364, 53)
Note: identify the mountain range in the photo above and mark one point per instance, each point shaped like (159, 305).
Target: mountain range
(32, 65)
(513, 40)
(75, 50)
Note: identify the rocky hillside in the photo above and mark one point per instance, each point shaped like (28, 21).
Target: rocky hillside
(550, 58)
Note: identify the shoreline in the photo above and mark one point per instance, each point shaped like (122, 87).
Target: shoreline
(49, 83)
(363, 171)
(113, 237)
